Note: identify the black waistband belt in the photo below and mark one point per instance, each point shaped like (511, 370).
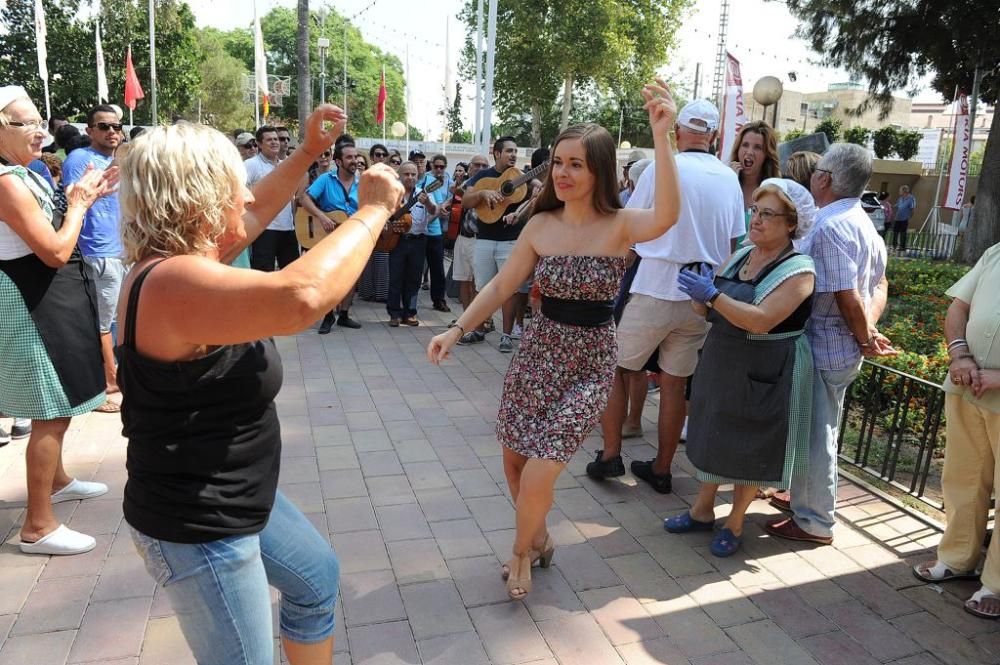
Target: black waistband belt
(586, 313)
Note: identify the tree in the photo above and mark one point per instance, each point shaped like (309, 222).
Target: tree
(304, 96)
(221, 90)
(454, 114)
(907, 144)
(949, 38)
(884, 140)
(545, 45)
(831, 127)
(858, 135)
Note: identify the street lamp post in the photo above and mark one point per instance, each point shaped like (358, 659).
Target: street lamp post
(767, 91)
(324, 44)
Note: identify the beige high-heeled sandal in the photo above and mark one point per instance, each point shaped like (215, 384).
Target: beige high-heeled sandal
(542, 558)
(519, 585)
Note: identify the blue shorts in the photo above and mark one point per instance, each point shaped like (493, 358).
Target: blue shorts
(219, 589)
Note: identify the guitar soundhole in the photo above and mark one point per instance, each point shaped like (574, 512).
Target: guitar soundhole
(507, 189)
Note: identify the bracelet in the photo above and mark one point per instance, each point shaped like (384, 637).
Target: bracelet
(961, 356)
(710, 303)
(955, 343)
(460, 328)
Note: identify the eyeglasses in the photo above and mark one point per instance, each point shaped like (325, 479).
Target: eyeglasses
(33, 126)
(105, 126)
(376, 155)
(325, 155)
(249, 144)
(283, 139)
(440, 166)
(823, 171)
(765, 214)
(395, 162)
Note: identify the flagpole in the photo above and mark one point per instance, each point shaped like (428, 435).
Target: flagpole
(407, 99)
(152, 63)
(383, 112)
(48, 109)
(43, 67)
(477, 138)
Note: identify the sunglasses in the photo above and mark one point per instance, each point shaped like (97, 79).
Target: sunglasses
(325, 155)
(395, 162)
(105, 126)
(376, 155)
(283, 139)
(249, 144)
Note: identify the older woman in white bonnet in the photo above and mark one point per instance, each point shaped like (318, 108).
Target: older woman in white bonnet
(751, 395)
(51, 369)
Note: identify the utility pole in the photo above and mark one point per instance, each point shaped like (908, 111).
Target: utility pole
(323, 44)
(152, 63)
(490, 62)
(477, 137)
(720, 57)
(697, 79)
(345, 66)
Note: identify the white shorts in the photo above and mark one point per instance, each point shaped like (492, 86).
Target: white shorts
(490, 257)
(649, 324)
(463, 260)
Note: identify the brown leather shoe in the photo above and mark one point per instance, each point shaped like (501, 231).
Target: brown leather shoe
(393, 323)
(782, 501)
(410, 321)
(787, 528)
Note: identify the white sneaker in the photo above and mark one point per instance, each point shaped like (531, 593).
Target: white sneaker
(79, 489)
(516, 332)
(63, 541)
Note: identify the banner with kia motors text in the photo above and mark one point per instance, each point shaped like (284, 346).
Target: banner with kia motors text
(961, 149)
(733, 109)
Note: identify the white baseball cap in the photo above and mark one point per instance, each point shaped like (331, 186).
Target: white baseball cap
(699, 116)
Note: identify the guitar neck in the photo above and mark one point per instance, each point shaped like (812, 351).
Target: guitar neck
(406, 207)
(527, 177)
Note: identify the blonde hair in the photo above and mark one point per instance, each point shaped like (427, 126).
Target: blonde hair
(177, 184)
(800, 166)
(791, 213)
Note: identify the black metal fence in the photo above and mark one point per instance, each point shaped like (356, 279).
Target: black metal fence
(893, 429)
(936, 244)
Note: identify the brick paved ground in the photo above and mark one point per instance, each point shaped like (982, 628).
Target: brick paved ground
(396, 460)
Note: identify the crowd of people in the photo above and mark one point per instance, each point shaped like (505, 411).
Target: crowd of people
(148, 278)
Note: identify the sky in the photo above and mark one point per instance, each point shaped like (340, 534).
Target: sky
(760, 36)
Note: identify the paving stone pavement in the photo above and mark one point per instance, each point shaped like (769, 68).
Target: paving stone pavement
(396, 461)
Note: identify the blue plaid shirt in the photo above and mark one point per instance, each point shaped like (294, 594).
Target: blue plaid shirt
(848, 254)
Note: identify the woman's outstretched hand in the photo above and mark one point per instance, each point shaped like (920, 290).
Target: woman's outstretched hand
(380, 186)
(440, 347)
(318, 137)
(661, 107)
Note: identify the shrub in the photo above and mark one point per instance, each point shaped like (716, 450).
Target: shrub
(793, 134)
(858, 135)
(831, 127)
(885, 141)
(907, 143)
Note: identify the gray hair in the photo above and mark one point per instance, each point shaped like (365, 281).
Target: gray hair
(850, 168)
(637, 168)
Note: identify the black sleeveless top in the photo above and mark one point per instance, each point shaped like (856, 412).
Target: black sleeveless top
(797, 319)
(204, 442)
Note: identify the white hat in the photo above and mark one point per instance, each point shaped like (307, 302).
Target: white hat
(9, 93)
(244, 138)
(801, 198)
(699, 116)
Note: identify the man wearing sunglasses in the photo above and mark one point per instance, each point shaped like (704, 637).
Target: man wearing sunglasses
(436, 227)
(379, 154)
(246, 143)
(285, 139)
(100, 239)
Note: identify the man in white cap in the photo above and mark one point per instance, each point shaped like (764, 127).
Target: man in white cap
(246, 143)
(658, 316)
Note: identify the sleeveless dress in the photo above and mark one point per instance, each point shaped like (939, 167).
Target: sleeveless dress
(50, 348)
(559, 380)
(751, 396)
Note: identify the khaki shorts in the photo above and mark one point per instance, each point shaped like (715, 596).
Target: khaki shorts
(671, 326)
(464, 259)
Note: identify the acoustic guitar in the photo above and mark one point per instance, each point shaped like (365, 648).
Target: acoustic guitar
(511, 184)
(309, 230)
(401, 221)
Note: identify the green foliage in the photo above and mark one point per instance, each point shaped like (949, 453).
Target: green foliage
(612, 46)
(454, 115)
(220, 92)
(72, 57)
(907, 143)
(792, 134)
(831, 127)
(858, 135)
(885, 141)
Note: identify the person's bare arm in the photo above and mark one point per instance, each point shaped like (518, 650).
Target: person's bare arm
(21, 212)
(879, 299)
(775, 308)
(195, 300)
(852, 308)
(642, 225)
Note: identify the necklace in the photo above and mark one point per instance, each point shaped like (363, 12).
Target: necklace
(756, 260)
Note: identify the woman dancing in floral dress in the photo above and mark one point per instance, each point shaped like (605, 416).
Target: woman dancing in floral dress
(558, 382)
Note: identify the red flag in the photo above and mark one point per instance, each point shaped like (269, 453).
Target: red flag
(380, 110)
(133, 90)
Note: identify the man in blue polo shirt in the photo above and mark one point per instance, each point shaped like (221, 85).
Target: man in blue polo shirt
(100, 239)
(435, 233)
(336, 190)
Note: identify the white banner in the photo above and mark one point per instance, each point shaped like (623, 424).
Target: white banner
(961, 149)
(930, 147)
(40, 34)
(733, 109)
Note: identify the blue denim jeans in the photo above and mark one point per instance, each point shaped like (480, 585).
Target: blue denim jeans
(814, 491)
(219, 589)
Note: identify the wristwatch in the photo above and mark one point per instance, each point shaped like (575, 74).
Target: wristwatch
(710, 303)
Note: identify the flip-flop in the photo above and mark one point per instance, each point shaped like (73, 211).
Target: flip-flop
(726, 543)
(685, 523)
(939, 572)
(977, 598)
(61, 542)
